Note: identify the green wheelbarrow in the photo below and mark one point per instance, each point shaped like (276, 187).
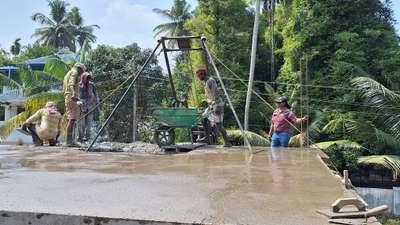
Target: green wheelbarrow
(167, 120)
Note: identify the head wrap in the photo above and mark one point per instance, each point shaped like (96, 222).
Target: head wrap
(85, 85)
(51, 107)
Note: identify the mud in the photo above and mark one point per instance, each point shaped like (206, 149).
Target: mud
(204, 186)
(137, 147)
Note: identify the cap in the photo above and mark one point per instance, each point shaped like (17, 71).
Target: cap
(80, 65)
(281, 99)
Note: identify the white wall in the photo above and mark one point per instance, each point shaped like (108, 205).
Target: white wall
(379, 196)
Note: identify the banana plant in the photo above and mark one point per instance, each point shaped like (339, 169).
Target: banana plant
(38, 87)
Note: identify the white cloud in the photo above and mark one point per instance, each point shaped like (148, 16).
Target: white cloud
(124, 22)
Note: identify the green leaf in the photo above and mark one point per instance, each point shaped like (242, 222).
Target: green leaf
(56, 67)
(8, 82)
(338, 143)
(391, 162)
(236, 136)
(38, 101)
(11, 124)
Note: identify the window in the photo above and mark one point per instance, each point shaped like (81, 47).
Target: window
(2, 113)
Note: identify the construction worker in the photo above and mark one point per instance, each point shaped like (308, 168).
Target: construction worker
(72, 101)
(89, 98)
(47, 127)
(215, 104)
(282, 120)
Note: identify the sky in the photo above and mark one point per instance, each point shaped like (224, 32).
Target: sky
(122, 22)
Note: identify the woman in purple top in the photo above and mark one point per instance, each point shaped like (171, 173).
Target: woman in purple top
(282, 118)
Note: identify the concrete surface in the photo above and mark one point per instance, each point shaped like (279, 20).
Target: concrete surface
(208, 186)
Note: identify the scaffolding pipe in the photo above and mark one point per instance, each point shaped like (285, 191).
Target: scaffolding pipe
(203, 39)
(124, 95)
(252, 65)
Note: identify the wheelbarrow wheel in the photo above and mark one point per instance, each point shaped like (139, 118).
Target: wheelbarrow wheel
(164, 136)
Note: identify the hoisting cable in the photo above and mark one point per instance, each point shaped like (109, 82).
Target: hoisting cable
(135, 78)
(226, 94)
(105, 98)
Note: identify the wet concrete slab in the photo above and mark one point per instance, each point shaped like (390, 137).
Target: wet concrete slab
(208, 186)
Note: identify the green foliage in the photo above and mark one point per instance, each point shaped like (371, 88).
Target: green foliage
(228, 27)
(388, 220)
(36, 50)
(338, 144)
(39, 87)
(391, 162)
(177, 16)
(236, 137)
(9, 126)
(181, 135)
(343, 154)
(110, 67)
(63, 28)
(16, 47)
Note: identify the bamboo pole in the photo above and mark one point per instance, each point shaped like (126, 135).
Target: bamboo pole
(252, 65)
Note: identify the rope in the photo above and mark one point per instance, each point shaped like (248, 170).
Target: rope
(305, 85)
(104, 99)
(254, 92)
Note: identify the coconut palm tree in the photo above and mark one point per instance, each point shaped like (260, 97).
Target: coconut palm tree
(177, 16)
(384, 102)
(81, 32)
(57, 29)
(63, 29)
(16, 47)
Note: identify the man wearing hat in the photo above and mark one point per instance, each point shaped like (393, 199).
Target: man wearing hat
(215, 104)
(72, 103)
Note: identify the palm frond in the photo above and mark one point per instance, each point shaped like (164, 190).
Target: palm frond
(387, 139)
(383, 100)
(164, 13)
(374, 92)
(236, 137)
(337, 143)
(166, 28)
(391, 162)
(56, 67)
(297, 140)
(270, 91)
(338, 124)
(316, 125)
(25, 75)
(8, 82)
(42, 19)
(38, 101)
(83, 53)
(11, 124)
